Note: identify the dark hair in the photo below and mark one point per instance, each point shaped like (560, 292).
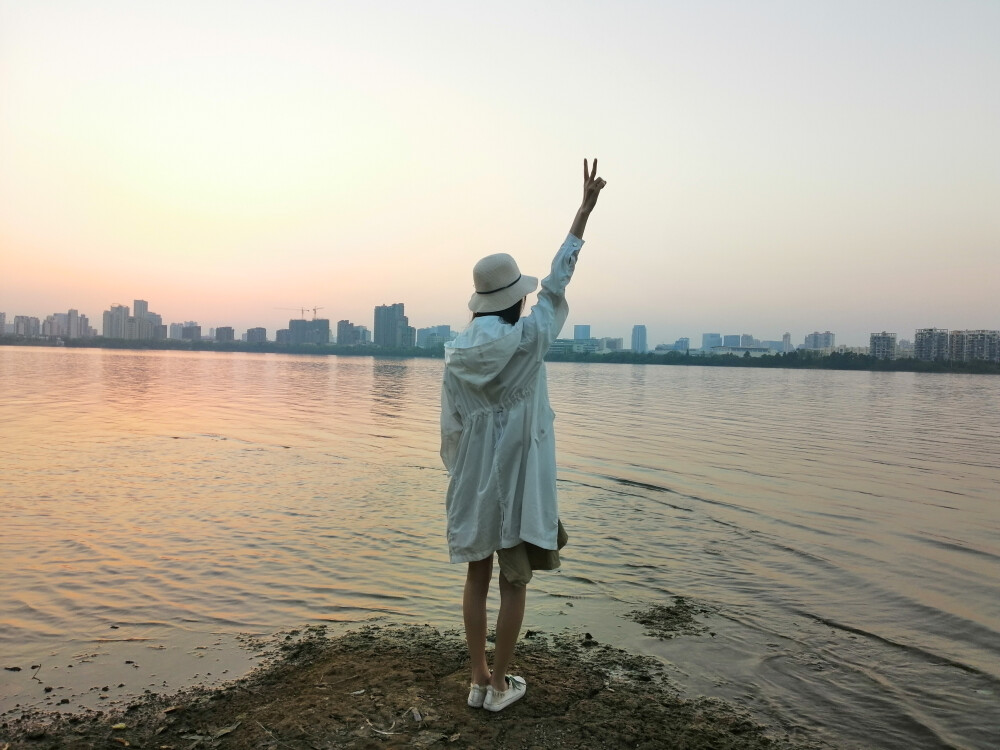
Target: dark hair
(511, 315)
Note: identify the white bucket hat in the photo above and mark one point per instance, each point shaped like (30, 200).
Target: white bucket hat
(499, 284)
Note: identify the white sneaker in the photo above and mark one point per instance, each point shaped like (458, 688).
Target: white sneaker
(477, 694)
(498, 700)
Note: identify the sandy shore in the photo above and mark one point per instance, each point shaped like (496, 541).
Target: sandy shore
(394, 686)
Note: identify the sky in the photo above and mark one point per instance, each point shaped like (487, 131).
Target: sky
(771, 166)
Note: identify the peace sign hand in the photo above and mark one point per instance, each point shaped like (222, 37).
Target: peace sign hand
(592, 186)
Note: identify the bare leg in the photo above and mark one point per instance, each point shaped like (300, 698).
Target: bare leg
(508, 628)
(477, 586)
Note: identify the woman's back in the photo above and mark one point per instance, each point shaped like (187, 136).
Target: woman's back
(498, 446)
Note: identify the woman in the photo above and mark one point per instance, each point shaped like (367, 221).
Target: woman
(498, 446)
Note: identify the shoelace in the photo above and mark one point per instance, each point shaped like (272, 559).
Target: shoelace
(511, 683)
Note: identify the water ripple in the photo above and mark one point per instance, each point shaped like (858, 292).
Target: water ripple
(842, 527)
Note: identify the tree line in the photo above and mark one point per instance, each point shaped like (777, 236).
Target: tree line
(799, 359)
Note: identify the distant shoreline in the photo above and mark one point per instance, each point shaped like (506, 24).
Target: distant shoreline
(797, 360)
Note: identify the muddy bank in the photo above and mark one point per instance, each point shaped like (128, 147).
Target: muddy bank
(671, 620)
(394, 687)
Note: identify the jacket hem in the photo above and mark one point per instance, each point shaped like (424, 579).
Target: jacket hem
(467, 557)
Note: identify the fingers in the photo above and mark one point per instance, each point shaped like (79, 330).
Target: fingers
(590, 177)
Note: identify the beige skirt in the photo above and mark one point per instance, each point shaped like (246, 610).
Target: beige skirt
(517, 563)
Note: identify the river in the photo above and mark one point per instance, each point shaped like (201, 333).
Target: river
(842, 528)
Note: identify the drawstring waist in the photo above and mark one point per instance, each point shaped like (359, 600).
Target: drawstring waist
(499, 424)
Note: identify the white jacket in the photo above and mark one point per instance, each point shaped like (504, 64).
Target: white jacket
(496, 425)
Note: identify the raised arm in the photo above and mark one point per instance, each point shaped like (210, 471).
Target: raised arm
(592, 186)
(549, 314)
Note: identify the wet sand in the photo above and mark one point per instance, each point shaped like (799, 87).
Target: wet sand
(395, 686)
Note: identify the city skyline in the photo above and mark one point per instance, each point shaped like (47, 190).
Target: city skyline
(397, 331)
(774, 166)
(669, 333)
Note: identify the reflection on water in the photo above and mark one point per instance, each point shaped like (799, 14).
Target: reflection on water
(636, 391)
(302, 384)
(843, 526)
(126, 381)
(389, 380)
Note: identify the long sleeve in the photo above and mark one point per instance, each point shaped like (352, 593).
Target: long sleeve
(451, 431)
(549, 314)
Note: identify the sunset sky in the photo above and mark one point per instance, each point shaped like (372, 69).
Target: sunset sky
(771, 166)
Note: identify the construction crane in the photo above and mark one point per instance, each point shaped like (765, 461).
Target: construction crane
(302, 310)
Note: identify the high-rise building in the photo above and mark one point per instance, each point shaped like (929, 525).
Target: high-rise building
(297, 332)
(433, 336)
(639, 339)
(3, 323)
(882, 345)
(708, 340)
(191, 333)
(73, 324)
(116, 322)
(682, 344)
(56, 324)
(930, 344)
(225, 334)
(747, 339)
(316, 331)
(965, 346)
(86, 331)
(177, 329)
(145, 325)
(392, 327)
(256, 335)
(321, 330)
(27, 326)
(347, 333)
(78, 326)
(731, 339)
(817, 340)
(142, 326)
(786, 342)
(581, 332)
